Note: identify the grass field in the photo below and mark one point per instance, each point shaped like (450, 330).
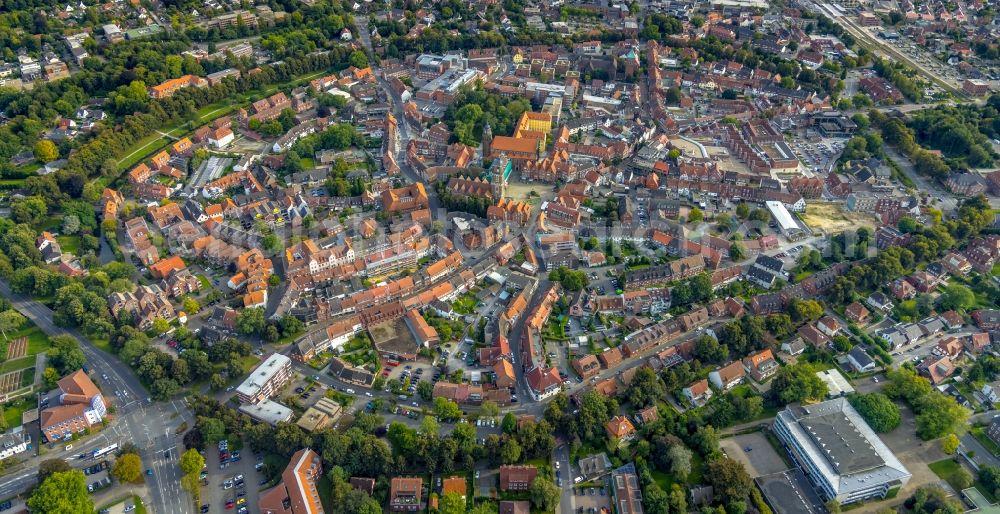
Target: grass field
(12, 411)
(947, 470)
(157, 141)
(16, 364)
(38, 342)
(69, 244)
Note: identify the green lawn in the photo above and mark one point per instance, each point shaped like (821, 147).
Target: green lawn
(38, 342)
(16, 364)
(101, 343)
(665, 480)
(69, 244)
(947, 470)
(307, 163)
(12, 411)
(139, 151)
(205, 283)
(156, 141)
(11, 183)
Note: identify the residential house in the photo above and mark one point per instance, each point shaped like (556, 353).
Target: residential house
(405, 494)
(860, 360)
(857, 313)
(698, 392)
(517, 478)
(936, 369)
(761, 365)
(620, 428)
(587, 366)
(728, 376)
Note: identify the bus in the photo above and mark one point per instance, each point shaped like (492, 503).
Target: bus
(104, 451)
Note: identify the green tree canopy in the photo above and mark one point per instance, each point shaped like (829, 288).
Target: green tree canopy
(878, 410)
(798, 383)
(61, 492)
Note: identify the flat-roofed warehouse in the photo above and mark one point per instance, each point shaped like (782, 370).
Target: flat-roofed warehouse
(839, 452)
(789, 226)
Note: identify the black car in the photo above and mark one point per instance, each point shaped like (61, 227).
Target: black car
(204, 508)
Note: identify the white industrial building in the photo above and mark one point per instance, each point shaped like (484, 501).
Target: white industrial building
(790, 227)
(839, 452)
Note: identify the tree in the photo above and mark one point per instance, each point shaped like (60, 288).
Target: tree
(949, 444)
(931, 499)
(544, 494)
(251, 321)
(798, 383)
(708, 349)
(358, 59)
(61, 492)
(65, 354)
(70, 224)
(160, 326)
(191, 306)
(806, 310)
(128, 468)
(731, 481)
(695, 215)
(737, 252)
(451, 503)
(425, 389)
(742, 210)
(962, 478)
(489, 409)
(50, 466)
(51, 377)
(957, 297)
(11, 321)
(680, 461)
(46, 151)
(429, 426)
(938, 414)
(646, 388)
(678, 499)
(446, 409)
(509, 423)
(191, 462)
(29, 210)
(212, 430)
(878, 410)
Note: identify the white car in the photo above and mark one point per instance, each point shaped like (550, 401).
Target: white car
(349, 391)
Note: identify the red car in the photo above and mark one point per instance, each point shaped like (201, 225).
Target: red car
(230, 504)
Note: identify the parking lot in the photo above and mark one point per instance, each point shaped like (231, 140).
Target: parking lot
(818, 157)
(755, 453)
(591, 500)
(215, 493)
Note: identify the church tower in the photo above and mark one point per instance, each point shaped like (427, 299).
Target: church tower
(487, 141)
(499, 172)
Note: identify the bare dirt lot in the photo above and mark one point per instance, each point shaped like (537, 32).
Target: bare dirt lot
(834, 217)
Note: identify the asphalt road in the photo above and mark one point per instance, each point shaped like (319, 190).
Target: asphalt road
(150, 426)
